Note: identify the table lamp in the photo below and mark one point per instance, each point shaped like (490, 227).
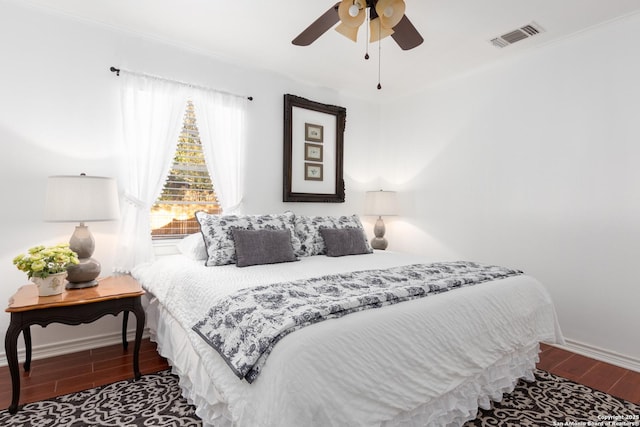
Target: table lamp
(82, 198)
(380, 203)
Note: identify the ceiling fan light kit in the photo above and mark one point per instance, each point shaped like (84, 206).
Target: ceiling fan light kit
(347, 31)
(352, 13)
(383, 16)
(378, 31)
(390, 12)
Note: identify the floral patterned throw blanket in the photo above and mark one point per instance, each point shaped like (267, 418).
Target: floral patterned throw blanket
(245, 326)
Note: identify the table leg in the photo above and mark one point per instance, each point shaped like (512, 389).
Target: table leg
(26, 333)
(139, 312)
(125, 321)
(11, 349)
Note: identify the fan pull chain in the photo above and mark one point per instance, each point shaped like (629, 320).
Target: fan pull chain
(379, 57)
(366, 40)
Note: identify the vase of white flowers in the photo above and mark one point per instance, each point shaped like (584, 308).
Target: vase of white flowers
(47, 267)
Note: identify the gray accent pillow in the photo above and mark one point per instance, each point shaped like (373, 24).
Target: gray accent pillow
(344, 241)
(255, 247)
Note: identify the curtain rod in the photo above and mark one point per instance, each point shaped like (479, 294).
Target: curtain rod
(117, 71)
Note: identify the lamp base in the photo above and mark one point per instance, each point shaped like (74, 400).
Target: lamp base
(81, 285)
(83, 275)
(379, 243)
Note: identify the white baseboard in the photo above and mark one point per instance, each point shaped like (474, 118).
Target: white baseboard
(72, 346)
(601, 354)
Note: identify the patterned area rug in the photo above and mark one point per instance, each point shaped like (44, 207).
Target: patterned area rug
(555, 401)
(155, 400)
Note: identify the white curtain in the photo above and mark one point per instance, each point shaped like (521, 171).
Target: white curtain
(153, 111)
(221, 123)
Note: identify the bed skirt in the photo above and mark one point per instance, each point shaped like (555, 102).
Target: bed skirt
(451, 409)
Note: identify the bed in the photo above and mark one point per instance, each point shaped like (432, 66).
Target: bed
(429, 360)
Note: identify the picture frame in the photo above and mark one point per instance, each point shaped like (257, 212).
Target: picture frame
(313, 151)
(313, 132)
(313, 172)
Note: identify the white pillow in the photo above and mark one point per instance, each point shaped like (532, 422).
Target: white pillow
(193, 247)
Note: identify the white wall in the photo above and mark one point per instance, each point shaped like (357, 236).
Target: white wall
(533, 163)
(59, 114)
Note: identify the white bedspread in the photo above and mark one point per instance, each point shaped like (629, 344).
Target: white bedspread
(434, 358)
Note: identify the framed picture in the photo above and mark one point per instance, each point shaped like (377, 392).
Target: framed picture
(313, 151)
(313, 132)
(313, 171)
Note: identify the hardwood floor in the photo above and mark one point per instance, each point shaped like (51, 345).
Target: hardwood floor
(602, 376)
(91, 368)
(64, 374)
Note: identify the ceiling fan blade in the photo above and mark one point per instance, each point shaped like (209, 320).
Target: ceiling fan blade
(318, 27)
(406, 34)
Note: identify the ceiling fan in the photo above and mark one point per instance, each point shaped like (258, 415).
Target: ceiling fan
(386, 18)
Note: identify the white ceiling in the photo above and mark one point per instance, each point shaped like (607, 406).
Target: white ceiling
(259, 33)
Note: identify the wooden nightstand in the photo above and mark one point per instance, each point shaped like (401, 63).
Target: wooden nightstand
(113, 295)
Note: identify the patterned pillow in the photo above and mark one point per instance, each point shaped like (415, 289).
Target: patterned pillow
(217, 231)
(308, 231)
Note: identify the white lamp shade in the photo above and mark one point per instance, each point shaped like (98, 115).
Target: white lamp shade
(381, 203)
(81, 198)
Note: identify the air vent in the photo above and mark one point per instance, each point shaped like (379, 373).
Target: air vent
(521, 33)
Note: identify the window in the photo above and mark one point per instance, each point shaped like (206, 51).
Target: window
(188, 187)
